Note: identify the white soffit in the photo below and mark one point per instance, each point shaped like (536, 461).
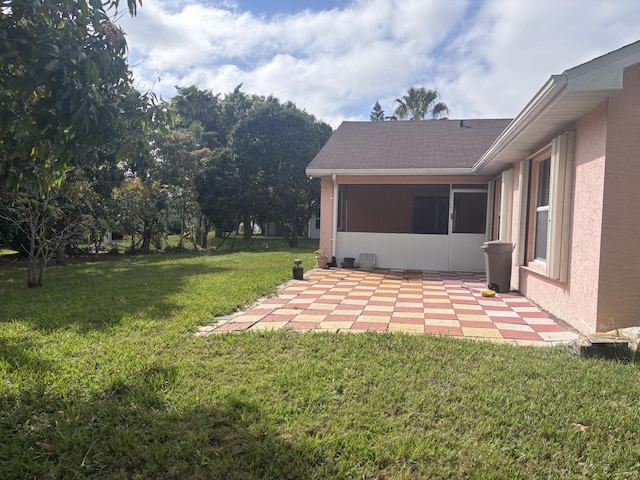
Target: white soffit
(556, 106)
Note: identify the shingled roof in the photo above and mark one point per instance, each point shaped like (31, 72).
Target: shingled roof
(406, 147)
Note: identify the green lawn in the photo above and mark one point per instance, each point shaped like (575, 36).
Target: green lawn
(103, 377)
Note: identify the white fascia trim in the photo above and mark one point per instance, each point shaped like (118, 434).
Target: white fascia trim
(405, 172)
(549, 94)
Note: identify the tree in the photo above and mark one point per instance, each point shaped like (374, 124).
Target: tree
(177, 160)
(47, 220)
(218, 189)
(65, 90)
(276, 142)
(420, 103)
(139, 206)
(377, 114)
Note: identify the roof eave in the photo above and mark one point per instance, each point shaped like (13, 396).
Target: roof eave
(546, 96)
(561, 101)
(385, 172)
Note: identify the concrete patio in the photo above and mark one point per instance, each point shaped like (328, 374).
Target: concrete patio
(441, 303)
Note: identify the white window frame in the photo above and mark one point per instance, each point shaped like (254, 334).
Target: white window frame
(556, 265)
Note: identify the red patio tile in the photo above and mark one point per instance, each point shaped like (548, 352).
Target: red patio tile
(496, 308)
(511, 320)
(518, 335)
(346, 306)
(275, 301)
(409, 320)
(259, 311)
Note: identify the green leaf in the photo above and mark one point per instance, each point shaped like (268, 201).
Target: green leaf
(53, 66)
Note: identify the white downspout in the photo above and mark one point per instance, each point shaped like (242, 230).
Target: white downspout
(334, 236)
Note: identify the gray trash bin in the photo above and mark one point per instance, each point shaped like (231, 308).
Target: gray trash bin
(497, 261)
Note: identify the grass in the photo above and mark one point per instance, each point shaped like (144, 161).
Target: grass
(103, 377)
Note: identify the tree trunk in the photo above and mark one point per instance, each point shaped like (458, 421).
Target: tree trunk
(61, 259)
(248, 230)
(146, 236)
(205, 234)
(32, 271)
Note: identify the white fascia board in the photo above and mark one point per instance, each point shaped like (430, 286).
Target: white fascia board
(546, 96)
(605, 72)
(404, 172)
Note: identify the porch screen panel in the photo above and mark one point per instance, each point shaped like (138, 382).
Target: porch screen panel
(431, 210)
(470, 212)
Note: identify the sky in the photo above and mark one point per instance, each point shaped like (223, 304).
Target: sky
(336, 58)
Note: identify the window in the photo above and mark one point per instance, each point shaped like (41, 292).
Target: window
(431, 210)
(469, 212)
(317, 218)
(545, 186)
(542, 210)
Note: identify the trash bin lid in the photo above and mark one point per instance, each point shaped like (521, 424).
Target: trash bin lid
(498, 246)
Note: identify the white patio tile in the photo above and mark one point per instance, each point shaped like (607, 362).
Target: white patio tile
(539, 321)
(558, 336)
(502, 313)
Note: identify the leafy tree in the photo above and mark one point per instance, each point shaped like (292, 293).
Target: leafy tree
(199, 111)
(65, 90)
(178, 159)
(275, 143)
(420, 103)
(139, 206)
(218, 189)
(47, 220)
(377, 114)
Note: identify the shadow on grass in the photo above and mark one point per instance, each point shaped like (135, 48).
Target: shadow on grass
(96, 295)
(130, 430)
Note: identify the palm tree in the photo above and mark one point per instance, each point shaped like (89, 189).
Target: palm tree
(419, 103)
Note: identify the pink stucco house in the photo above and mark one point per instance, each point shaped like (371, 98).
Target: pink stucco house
(560, 181)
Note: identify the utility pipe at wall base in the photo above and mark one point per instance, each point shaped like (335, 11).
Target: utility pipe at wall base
(334, 231)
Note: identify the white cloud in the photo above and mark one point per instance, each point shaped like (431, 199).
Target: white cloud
(486, 58)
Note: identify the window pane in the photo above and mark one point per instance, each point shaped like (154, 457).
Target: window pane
(430, 214)
(469, 212)
(542, 217)
(544, 179)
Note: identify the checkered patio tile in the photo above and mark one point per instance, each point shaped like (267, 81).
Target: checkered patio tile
(442, 303)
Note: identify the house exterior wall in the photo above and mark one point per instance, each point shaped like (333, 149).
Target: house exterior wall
(619, 282)
(603, 288)
(576, 301)
(326, 215)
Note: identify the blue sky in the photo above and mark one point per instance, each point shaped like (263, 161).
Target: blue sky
(336, 58)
